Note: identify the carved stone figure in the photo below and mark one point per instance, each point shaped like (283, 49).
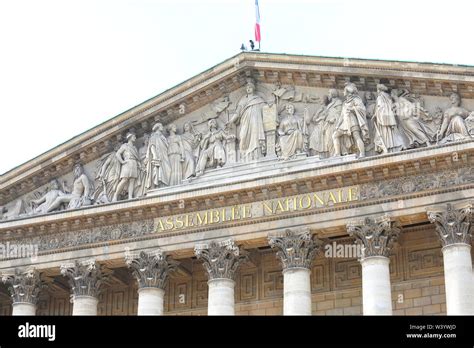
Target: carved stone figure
(352, 122)
(252, 141)
(316, 137)
(128, 157)
(80, 195)
(385, 124)
(191, 142)
(175, 155)
(454, 127)
(212, 148)
(370, 103)
(140, 185)
(292, 134)
(41, 205)
(107, 177)
(158, 167)
(415, 130)
(331, 114)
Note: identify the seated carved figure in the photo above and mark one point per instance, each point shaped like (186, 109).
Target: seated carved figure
(454, 126)
(416, 131)
(291, 132)
(212, 148)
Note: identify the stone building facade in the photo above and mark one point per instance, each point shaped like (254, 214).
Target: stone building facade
(267, 185)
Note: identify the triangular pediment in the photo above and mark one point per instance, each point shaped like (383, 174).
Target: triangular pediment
(217, 94)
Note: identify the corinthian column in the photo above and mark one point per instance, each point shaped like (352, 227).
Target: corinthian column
(221, 261)
(296, 251)
(85, 279)
(376, 236)
(151, 271)
(454, 227)
(24, 288)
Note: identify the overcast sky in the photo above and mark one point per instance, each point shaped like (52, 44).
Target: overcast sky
(67, 65)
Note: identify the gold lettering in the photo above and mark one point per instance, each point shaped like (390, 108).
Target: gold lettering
(215, 218)
(201, 221)
(160, 225)
(352, 195)
(235, 212)
(317, 200)
(279, 207)
(308, 202)
(332, 197)
(267, 208)
(169, 223)
(247, 211)
(179, 221)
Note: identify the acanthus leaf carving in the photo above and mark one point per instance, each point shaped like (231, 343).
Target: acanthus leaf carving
(221, 259)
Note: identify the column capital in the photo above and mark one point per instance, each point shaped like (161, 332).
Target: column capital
(85, 278)
(453, 224)
(296, 249)
(24, 286)
(221, 259)
(376, 235)
(151, 269)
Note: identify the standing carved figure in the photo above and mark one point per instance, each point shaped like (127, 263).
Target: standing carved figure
(454, 127)
(128, 157)
(176, 155)
(352, 122)
(212, 148)
(385, 124)
(191, 140)
(80, 195)
(158, 167)
(248, 114)
(316, 137)
(107, 177)
(415, 130)
(292, 133)
(332, 115)
(140, 186)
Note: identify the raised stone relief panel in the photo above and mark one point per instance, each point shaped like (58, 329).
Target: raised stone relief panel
(257, 122)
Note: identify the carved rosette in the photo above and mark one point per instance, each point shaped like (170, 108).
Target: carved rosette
(221, 259)
(24, 286)
(151, 269)
(375, 235)
(454, 225)
(85, 278)
(295, 249)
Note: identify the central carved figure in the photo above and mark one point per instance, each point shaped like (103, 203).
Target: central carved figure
(252, 141)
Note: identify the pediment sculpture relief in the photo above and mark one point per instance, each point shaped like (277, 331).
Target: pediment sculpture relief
(261, 123)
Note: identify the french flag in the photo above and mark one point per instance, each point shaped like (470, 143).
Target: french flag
(257, 23)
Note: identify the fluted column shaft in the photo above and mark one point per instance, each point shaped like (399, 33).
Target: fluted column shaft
(221, 261)
(453, 225)
(296, 251)
(151, 270)
(376, 236)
